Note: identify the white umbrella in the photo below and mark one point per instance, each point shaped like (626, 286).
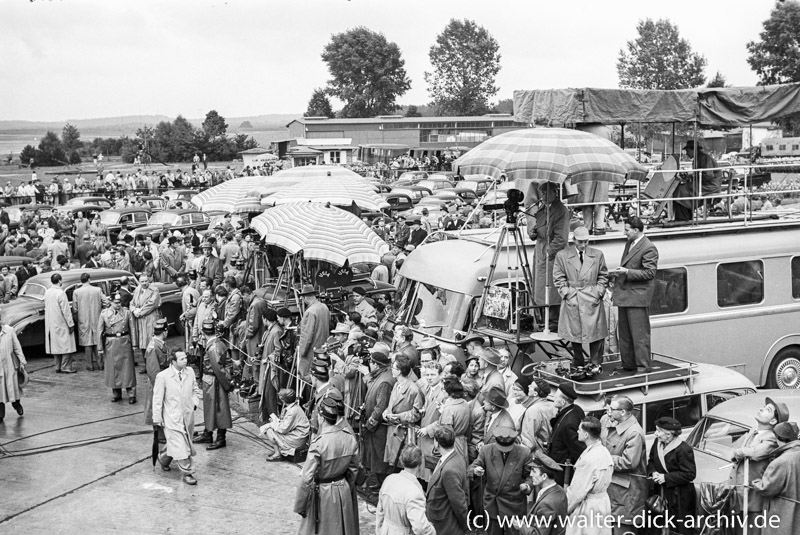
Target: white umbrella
(340, 192)
(306, 172)
(225, 197)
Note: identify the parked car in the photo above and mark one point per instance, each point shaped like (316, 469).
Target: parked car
(88, 210)
(465, 194)
(15, 212)
(26, 313)
(133, 217)
(97, 201)
(478, 186)
(413, 176)
(415, 192)
(435, 185)
(398, 202)
(180, 194)
(181, 220)
(154, 203)
(380, 187)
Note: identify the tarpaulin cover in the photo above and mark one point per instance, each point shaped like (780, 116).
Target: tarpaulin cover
(732, 106)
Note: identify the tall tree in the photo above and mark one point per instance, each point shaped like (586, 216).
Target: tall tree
(51, 150)
(368, 72)
(660, 59)
(718, 81)
(319, 105)
(413, 111)
(214, 125)
(70, 138)
(465, 60)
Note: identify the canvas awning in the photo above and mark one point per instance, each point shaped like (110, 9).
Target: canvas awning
(717, 106)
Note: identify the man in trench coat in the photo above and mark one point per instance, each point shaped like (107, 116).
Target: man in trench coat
(550, 229)
(145, 307)
(782, 479)
(59, 327)
(216, 385)
(115, 328)
(625, 442)
(581, 277)
(11, 361)
(156, 360)
(89, 303)
(175, 398)
(314, 330)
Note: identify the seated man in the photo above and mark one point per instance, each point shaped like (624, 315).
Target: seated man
(289, 432)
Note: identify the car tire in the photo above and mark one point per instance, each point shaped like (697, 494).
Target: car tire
(784, 372)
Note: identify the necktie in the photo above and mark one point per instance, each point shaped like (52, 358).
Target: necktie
(180, 376)
(580, 253)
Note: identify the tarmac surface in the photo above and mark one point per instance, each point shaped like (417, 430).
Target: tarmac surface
(77, 463)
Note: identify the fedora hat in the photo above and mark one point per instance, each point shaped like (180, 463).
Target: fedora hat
(781, 410)
(22, 376)
(428, 343)
(472, 338)
(308, 290)
(581, 233)
(491, 356)
(379, 356)
(497, 397)
(504, 436)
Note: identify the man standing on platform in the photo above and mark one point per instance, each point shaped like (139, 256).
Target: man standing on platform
(550, 230)
(116, 329)
(145, 307)
(216, 385)
(314, 330)
(89, 303)
(581, 277)
(632, 294)
(59, 326)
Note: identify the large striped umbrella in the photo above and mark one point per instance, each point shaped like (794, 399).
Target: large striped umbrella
(232, 194)
(337, 191)
(550, 155)
(321, 231)
(306, 172)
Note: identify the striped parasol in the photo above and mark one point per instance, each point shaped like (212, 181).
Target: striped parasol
(550, 155)
(337, 191)
(321, 231)
(232, 195)
(306, 172)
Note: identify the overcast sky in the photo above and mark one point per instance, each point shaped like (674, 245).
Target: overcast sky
(79, 59)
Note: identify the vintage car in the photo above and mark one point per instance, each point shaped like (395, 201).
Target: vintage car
(413, 176)
(97, 201)
(398, 202)
(415, 192)
(181, 220)
(88, 210)
(154, 202)
(26, 313)
(132, 217)
(435, 185)
(15, 212)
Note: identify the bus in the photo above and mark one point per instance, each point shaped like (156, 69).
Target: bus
(725, 294)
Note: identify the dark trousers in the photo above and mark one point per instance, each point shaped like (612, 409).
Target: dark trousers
(633, 331)
(15, 404)
(595, 352)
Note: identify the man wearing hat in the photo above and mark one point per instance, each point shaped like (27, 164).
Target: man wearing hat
(374, 434)
(781, 480)
(88, 300)
(711, 181)
(156, 360)
(402, 232)
(216, 385)
(118, 332)
(757, 446)
(505, 466)
(473, 346)
(551, 500)
(363, 306)
(12, 365)
(495, 405)
(284, 435)
(550, 229)
(59, 326)
(564, 445)
(581, 278)
(490, 362)
(146, 308)
(321, 384)
(326, 496)
(171, 260)
(314, 329)
(210, 265)
(417, 234)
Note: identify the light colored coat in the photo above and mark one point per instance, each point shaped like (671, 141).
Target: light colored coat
(314, 331)
(401, 507)
(628, 490)
(782, 478)
(88, 301)
(535, 426)
(11, 357)
(405, 402)
(582, 287)
(147, 302)
(291, 430)
(587, 495)
(119, 372)
(174, 402)
(58, 340)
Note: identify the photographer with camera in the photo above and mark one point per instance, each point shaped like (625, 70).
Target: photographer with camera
(314, 330)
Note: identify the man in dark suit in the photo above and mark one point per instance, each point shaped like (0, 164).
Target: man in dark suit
(210, 266)
(548, 514)
(494, 405)
(564, 444)
(632, 294)
(505, 466)
(446, 503)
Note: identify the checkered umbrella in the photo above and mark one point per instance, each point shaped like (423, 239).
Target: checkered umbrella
(238, 194)
(321, 231)
(550, 155)
(337, 191)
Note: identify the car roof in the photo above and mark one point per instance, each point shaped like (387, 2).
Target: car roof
(93, 197)
(389, 194)
(129, 209)
(152, 198)
(181, 211)
(742, 409)
(73, 276)
(79, 207)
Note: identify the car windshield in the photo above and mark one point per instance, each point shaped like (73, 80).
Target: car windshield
(34, 290)
(160, 219)
(432, 310)
(717, 436)
(109, 218)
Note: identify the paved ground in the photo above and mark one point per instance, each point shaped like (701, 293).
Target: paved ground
(78, 463)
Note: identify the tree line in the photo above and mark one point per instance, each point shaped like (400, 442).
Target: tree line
(368, 75)
(175, 141)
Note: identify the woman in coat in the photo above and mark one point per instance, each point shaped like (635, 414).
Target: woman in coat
(671, 466)
(404, 409)
(456, 412)
(11, 360)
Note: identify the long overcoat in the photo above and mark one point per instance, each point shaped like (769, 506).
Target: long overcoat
(89, 303)
(331, 467)
(582, 317)
(174, 402)
(155, 361)
(401, 507)
(457, 413)
(120, 339)
(11, 357)
(550, 238)
(57, 323)
(587, 496)
(373, 432)
(216, 404)
(148, 302)
(628, 489)
(314, 331)
(679, 470)
(406, 402)
(781, 478)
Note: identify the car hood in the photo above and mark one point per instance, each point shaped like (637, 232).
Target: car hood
(21, 309)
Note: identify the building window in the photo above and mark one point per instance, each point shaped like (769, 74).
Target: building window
(335, 156)
(671, 292)
(781, 147)
(795, 147)
(770, 147)
(740, 283)
(796, 277)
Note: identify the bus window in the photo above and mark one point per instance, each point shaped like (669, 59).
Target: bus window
(671, 294)
(715, 398)
(796, 277)
(686, 410)
(740, 283)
